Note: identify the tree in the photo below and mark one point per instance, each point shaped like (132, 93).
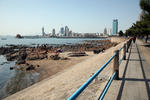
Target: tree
(141, 28)
(120, 33)
(145, 5)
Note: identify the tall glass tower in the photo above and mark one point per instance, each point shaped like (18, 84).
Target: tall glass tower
(115, 27)
(43, 33)
(66, 31)
(62, 31)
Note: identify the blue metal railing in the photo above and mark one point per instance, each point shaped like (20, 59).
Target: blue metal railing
(110, 81)
(121, 48)
(107, 86)
(120, 60)
(77, 93)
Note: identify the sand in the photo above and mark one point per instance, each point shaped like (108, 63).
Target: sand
(63, 84)
(50, 67)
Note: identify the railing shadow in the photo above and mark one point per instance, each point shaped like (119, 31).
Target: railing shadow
(136, 59)
(134, 79)
(123, 77)
(143, 72)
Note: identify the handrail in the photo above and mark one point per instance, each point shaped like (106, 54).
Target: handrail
(77, 93)
(121, 48)
(120, 60)
(107, 86)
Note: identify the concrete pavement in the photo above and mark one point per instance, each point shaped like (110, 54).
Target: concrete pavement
(134, 83)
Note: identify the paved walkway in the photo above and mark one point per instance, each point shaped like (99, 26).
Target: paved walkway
(134, 83)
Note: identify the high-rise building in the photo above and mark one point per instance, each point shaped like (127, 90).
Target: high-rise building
(141, 15)
(110, 31)
(105, 31)
(66, 31)
(70, 34)
(115, 27)
(62, 31)
(53, 32)
(43, 33)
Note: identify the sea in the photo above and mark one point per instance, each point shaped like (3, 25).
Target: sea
(12, 81)
(10, 40)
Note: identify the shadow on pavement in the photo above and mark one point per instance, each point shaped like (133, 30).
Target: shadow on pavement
(134, 79)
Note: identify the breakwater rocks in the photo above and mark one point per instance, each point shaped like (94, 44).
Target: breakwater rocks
(21, 54)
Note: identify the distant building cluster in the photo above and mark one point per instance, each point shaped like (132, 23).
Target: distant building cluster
(66, 32)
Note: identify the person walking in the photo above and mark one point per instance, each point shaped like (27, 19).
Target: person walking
(134, 39)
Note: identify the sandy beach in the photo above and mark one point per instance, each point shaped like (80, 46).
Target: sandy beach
(51, 67)
(68, 76)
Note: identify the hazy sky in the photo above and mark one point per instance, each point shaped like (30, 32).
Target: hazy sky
(27, 17)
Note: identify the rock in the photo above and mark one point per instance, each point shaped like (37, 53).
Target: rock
(5, 50)
(22, 55)
(32, 57)
(55, 56)
(96, 51)
(18, 36)
(42, 56)
(77, 54)
(11, 68)
(27, 64)
(21, 62)
(64, 58)
(11, 57)
(30, 67)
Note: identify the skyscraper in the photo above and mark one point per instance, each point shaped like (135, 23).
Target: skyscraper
(105, 31)
(141, 15)
(62, 31)
(115, 27)
(53, 32)
(43, 33)
(66, 31)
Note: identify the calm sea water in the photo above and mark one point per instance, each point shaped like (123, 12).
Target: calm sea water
(27, 41)
(12, 81)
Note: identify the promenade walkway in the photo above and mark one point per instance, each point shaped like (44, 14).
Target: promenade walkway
(134, 83)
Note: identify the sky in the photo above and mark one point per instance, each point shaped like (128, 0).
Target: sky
(27, 17)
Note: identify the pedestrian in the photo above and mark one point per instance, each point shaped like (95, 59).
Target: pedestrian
(134, 39)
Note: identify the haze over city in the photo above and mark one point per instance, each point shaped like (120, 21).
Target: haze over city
(27, 17)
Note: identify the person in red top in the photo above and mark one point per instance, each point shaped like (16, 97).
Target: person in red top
(134, 38)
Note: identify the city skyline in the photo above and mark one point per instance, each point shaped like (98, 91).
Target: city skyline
(26, 17)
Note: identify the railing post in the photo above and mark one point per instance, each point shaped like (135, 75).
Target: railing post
(116, 64)
(127, 45)
(124, 52)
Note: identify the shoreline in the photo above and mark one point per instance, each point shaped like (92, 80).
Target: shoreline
(70, 79)
(47, 71)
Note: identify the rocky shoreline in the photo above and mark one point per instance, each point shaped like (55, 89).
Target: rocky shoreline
(22, 54)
